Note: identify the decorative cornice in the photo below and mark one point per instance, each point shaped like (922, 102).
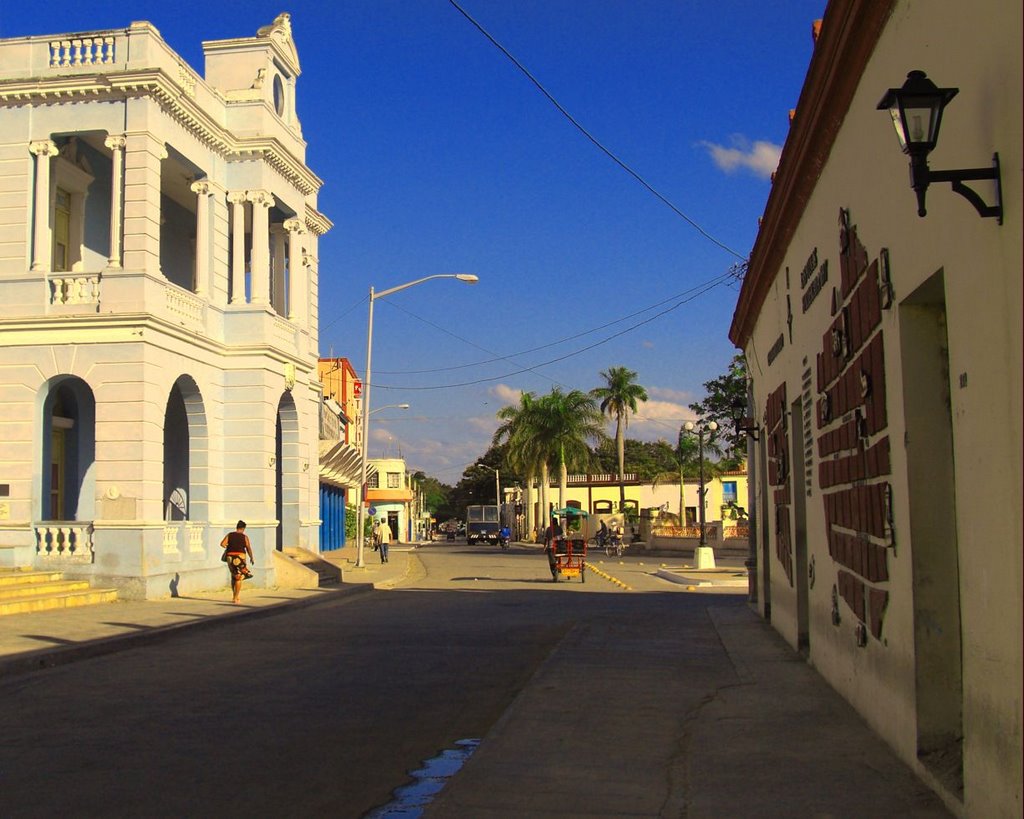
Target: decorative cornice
(317, 223)
(848, 35)
(136, 328)
(177, 102)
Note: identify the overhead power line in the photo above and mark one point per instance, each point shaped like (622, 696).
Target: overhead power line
(597, 143)
(709, 285)
(510, 356)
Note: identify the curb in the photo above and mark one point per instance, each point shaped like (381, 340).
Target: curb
(696, 582)
(29, 661)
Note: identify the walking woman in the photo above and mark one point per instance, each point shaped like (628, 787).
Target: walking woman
(236, 546)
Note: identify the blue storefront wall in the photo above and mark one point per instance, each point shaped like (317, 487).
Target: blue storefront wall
(332, 515)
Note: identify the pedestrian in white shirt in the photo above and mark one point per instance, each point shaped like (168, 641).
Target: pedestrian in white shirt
(383, 539)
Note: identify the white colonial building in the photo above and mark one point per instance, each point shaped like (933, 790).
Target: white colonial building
(158, 321)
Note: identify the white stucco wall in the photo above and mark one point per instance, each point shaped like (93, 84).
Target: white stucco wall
(981, 262)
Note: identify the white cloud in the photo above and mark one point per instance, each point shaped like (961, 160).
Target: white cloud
(659, 419)
(483, 423)
(760, 158)
(681, 396)
(445, 459)
(507, 394)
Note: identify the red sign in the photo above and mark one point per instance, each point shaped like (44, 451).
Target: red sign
(357, 389)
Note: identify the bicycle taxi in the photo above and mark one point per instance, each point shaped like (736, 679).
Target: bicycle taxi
(568, 556)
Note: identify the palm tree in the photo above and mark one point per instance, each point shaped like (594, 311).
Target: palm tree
(567, 421)
(619, 397)
(552, 430)
(520, 453)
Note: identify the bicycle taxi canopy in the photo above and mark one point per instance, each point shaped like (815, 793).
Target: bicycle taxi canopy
(568, 555)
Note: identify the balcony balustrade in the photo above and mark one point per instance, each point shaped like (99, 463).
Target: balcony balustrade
(66, 540)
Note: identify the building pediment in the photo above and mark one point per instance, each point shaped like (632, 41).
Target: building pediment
(279, 33)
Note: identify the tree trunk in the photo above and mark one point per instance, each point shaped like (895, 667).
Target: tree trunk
(545, 512)
(620, 447)
(682, 500)
(563, 480)
(528, 498)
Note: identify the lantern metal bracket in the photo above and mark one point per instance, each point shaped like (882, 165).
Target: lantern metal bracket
(957, 179)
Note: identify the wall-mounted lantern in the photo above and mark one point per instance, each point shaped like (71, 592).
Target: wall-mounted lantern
(916, 111)
(743, 422)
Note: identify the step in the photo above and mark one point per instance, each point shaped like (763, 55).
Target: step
(86, 597)
(22, 577)
(329, 573)
(42, 589)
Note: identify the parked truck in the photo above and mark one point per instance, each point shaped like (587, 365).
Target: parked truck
(482, 524)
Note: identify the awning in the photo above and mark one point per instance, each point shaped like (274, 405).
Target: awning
(341, 465)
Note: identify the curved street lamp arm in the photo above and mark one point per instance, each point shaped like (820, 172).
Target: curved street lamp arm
(469, 278)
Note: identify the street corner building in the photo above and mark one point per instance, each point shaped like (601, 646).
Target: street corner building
(885, 352)
(158, 326)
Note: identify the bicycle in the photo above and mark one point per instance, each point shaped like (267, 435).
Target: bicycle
(614, 547)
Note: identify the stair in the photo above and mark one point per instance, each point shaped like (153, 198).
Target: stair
(24, 590)
(329, 573)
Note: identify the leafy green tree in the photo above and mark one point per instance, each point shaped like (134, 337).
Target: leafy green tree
(687, 465)
(723, 393)
(619, 397)
(351, 514)
(435, 493)
(476, 486)
(645, 458)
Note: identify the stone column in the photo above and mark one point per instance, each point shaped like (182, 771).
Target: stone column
(310, 268)
(116, 145)
(296, 271)
(262, 202)
(43, 150)
(237, 201)
(142, 170)
(202, 190)
(279, 278)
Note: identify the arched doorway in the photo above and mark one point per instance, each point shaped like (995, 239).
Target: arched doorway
(68, 490)
(66, 503)
(288, 472)
(186, 480)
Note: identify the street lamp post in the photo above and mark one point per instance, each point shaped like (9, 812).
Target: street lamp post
(469, 278)
(705, 557)
(497, 488)
(497, 484)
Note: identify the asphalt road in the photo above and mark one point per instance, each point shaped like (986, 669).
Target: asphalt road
(323, 711)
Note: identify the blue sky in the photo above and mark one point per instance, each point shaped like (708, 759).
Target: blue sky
(439, 155)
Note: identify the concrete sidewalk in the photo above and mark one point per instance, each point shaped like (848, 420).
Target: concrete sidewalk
(719, 719)
(48, 638)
